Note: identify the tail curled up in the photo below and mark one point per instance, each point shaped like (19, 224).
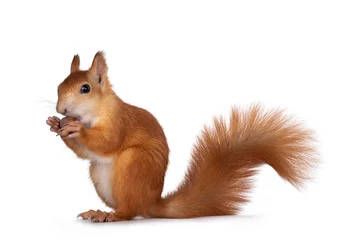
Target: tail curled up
(227, 155)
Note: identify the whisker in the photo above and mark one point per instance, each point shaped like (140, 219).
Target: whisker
(46, 101)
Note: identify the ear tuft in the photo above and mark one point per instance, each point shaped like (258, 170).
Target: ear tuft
(75, 64)
(99, 66)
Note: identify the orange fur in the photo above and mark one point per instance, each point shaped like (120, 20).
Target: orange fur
(128, 151)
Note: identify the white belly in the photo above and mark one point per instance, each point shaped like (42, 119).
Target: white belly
(96, 158)
(101, 174)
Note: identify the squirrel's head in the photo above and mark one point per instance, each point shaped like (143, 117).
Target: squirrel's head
(80, 93)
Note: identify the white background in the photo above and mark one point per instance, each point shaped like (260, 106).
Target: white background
(185, 61)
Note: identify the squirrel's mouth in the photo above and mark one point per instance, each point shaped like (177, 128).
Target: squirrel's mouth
(78, 118)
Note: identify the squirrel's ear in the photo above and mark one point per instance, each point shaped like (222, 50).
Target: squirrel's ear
(99, 67)
(75, 64)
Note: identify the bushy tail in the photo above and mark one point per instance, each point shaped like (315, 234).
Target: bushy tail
(226, 156)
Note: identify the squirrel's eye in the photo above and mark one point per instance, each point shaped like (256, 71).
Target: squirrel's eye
(85, 88)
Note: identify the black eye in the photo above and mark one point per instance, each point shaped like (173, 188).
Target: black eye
(85, 88)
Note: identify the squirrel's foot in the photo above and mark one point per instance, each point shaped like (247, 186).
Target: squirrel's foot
(97, 216)
(100, 216)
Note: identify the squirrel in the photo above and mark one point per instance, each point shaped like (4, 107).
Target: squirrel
(129, 153)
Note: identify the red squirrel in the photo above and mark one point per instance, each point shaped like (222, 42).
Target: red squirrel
(129, 153)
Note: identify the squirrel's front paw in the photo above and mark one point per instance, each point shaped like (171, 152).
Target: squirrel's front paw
(54, 123)
(66, 120)
(71, 130)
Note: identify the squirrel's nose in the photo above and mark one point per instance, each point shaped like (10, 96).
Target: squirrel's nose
(61, 110)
